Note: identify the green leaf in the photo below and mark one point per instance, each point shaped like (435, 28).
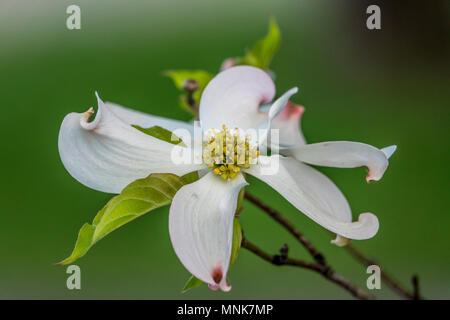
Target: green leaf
(83, 243)
(180, 76)
(190, 177)
(237, 239)
(161, 134)
(192, 282)
(261, 54)
(136, 199)
(240, 199)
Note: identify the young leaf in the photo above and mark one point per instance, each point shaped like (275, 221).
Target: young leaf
(161, 134)
(180, 76)
(136, 199)
(190, 177)
(237, 239)
(84, 242)
(261, 54)
(240, 199)
(192, 282)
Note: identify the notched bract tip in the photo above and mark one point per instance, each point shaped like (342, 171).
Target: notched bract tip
(87, 115)
(340, 241)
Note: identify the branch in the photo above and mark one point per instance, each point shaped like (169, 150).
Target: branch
(278, 217)
(390, 282)
(415, 282)
(320, 265)
(190, 86)
(325, 271)
(320, 259)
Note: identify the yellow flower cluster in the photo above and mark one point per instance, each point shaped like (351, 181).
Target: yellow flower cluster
(227, 152)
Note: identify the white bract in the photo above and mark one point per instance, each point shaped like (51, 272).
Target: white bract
(108, 153)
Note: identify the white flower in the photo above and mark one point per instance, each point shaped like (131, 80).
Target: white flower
(108, 153)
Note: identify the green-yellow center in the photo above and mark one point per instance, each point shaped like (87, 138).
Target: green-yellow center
(226, 152)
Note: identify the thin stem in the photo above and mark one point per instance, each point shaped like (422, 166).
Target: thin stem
(273, 258)
(386, 278)
(415, 282)
(190, 85)
(325, 271)
(278, 217)
(320, 259)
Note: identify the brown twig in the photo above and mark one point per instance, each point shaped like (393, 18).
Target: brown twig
(320, 265)
(386, 278)
(320, 259)
(416, 290)
(325, 271)
(190, 86)
(278, 217)
(274, 258)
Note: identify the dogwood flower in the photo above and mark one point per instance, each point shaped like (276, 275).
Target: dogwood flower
(108, 153)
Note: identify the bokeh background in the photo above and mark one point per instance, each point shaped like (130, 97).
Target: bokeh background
(383, 87)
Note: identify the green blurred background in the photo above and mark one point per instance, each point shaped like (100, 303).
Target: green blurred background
(379, 87)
